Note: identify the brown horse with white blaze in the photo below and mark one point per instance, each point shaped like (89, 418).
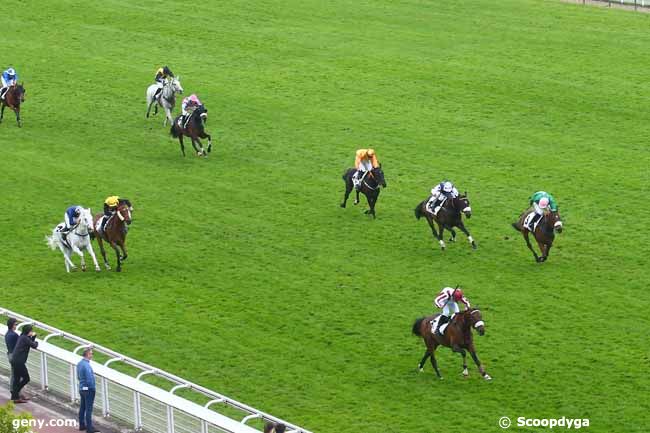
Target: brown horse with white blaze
(544, 232)
(458, 337)
(14, 96)
(114, 234)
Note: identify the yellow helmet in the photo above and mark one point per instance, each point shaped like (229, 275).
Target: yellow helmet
(112, 201)
(371, 152)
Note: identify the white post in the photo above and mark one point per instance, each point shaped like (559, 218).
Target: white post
(105, 408)
(73, 388)
(43, 371)
(170, 419)
(136, 409)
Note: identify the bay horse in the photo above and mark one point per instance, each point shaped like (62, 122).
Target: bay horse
(449, 216)
(114, 233)
(194, 128)
(166, 99)
(544, 233)
(370, 186)
(77, 241)
(14, 96)
(458, 337)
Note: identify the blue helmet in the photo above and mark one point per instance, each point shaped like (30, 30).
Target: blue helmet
(11, 71)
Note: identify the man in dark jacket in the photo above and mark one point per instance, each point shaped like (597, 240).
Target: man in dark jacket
(11, 337)
(26, 341)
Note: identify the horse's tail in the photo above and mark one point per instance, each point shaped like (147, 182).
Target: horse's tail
(345, 174)
(418, 210)
(516, 226)
(52, 242)
(416, 326)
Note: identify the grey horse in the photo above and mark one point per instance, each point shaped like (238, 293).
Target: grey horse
(166, 99)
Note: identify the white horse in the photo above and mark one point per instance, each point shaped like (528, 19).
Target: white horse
(166, 99)
(78, 239)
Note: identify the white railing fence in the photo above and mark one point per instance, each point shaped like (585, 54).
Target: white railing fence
(635, 3)
(129, 399)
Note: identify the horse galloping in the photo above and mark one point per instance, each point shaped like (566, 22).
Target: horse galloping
(78, 240)
(114, 233)
(543, 232)
(458, 337)
(14, 96)
(449, 216)
(193, 127)
(370, 186)
(166, 99)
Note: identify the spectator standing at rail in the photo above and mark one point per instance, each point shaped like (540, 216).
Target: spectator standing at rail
(11, 338)
(86, 379)
(26, 341)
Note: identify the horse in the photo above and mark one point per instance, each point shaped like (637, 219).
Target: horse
(370, 187)
(14, 96)
(194, 128)
(449, 216)
(166, 99)
(114, 233)
(458, 337)
(544, 233)
(78, 240)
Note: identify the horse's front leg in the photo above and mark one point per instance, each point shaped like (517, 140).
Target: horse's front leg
(458, 349)
(168, 116)
(124, 253)
(526, 234)
(117, 257)
(78, 251)
(149, 107)
(209, 142)
(441, 240)
(348, 190)
(103, 251)
(356, 198)
(544, 249)
(180, 140)
(66, 259)
(90, 250)
(481, 370)
(453, 235)
(434, 363)
(372, 200)
(20, 124)
(462, 228)
(2, 111)
(199, 150)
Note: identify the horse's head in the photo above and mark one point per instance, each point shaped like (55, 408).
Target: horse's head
(124, 213)
(475, 320)
(19, 92)
(378, 174)
(86, 219)
(202, 112)
(555, 221)
(176, 85)
(462, 203)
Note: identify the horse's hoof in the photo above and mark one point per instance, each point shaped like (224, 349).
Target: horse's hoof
(440, 377)
(487, 377)
(98, 269)
(342, 205)
(474, 246)
(83, 269)
(420, 369)
(118, 269)
(356, 202)
(465, 373)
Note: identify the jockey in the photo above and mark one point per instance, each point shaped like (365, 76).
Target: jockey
(161, 75)
(364, 161)
(439, 194)
(188, 106)
(447, 300)
(71, 218)
(9, 78)
(541, 202)
(110, 207)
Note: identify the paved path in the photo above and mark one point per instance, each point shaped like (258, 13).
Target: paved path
(45, 413)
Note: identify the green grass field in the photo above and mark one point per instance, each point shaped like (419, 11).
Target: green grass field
(246, 276)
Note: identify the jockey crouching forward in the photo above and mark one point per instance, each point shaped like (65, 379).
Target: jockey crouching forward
(110, 207)
(365, 160)
(447, 300)
(542, 202)
(161, 75)
(70, 219)
(439, 194)
(189, 104)
(9, 78)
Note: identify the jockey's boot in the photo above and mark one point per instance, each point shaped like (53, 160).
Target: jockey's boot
(444, 320)
(533, 221)
(436, 210)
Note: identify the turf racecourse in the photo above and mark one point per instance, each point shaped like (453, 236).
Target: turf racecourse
(244, 274)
